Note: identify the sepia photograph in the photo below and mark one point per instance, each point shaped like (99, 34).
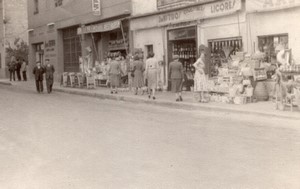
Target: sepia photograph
(150, 94)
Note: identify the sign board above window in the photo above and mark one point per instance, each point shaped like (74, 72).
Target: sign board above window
(167, 4)
(179, 34)
(102, 27)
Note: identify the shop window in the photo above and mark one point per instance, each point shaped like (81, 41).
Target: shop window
(72, 50)
(58, 3)
(36, 7)
(222, 49)
(271, 44)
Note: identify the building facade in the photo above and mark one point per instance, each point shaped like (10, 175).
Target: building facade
(184, 27)
(14, 26)
(66, 31)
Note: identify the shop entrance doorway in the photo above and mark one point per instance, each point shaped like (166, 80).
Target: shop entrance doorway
(39, 52)
(182, 42)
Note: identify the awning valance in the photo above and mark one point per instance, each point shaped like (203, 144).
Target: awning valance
(101, 27)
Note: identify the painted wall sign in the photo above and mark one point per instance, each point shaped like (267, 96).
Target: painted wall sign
(171, 3)
(96, 7)
(216, 9)
(50, 46)
(102, 27)
(270, 5)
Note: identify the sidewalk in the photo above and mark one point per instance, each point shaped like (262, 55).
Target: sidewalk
(167, 99)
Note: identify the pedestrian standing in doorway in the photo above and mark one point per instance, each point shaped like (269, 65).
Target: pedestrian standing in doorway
(137, 74)
(152, 68)
(176, 76)
(114, 75)
(49, 71)
(12, 68)
(38, 71)
(24, 70)
(18, 69)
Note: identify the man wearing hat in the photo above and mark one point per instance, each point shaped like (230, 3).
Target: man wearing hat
(176, 76)
(38, 71)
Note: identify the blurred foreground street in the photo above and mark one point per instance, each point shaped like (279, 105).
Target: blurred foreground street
(61, 141)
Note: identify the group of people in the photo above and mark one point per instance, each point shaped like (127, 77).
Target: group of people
(140, 75)
(177, 77)
(39, 71)
(143, 76)
(16, 67)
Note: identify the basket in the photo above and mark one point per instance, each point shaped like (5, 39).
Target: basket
(240, 100)
(249, 91)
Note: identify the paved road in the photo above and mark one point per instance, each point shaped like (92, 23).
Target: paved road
(61, 141)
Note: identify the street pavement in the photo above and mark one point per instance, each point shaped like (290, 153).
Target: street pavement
(167, 99)
(62, 141)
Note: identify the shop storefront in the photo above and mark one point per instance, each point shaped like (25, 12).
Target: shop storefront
(183, 30)
(271, 24)
(106, 40)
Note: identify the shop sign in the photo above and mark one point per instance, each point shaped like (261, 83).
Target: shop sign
(96, 6)
(216, 9)
(170, 3)
(102, 27)
(270, 5)
(50, 48)
(182, 34)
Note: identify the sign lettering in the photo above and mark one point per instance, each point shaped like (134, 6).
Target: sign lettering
(200, 12)
(270, 5)
(102, 27)
(96, 7)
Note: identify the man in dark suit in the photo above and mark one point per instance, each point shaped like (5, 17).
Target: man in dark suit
(49, 70)
(38, 71)
(18, 69)
(12, 68)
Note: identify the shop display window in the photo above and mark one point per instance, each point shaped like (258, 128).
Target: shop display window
(271, 43)
(221, 51)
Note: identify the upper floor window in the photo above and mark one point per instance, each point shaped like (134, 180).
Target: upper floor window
(58, 3)
(36, 7)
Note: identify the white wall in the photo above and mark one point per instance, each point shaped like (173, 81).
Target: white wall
(224, 27)
(155, 37)
(150, 37)
(143, 6)
(277, 22)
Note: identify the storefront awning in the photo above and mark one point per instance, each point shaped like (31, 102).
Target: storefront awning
(101, 27)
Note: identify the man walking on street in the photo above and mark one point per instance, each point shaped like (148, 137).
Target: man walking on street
(38, 71)
(49, 70)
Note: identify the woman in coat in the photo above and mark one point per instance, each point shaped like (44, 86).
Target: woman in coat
(176, 75)
(152, 69)
(114, 76)
(137, 73)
